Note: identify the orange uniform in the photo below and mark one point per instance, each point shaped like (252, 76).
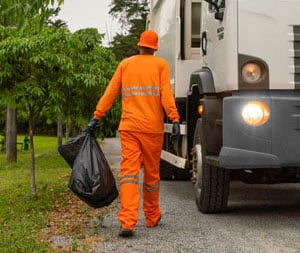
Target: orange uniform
(144, 82)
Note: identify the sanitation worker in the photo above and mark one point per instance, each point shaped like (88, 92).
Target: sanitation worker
(144, 82)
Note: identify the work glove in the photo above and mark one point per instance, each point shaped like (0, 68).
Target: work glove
(93, 124)
(176, 132)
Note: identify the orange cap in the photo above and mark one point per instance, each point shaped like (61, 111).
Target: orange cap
(148, 39)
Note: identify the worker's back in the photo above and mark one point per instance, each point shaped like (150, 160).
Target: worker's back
(144, 78)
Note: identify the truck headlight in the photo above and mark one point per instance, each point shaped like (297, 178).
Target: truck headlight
(256, 113)
(253, 72)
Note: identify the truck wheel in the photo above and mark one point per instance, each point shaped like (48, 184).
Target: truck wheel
(211, 186)
(166, 170)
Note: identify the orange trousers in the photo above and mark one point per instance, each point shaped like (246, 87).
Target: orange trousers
(137, 149)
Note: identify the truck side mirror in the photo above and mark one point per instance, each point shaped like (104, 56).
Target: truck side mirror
(219, 15)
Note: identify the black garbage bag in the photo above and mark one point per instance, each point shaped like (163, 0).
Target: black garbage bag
(70, 149)
(91, 178)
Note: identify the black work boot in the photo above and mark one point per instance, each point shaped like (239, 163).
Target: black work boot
(125, 232)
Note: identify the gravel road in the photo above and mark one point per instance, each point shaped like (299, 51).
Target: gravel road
(260, 218)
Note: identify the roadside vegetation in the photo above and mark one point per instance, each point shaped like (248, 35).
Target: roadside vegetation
(27, 225)
(50, 82)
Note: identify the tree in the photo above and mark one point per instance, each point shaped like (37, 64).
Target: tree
(11, 134)
(44, 68)
(93, 68)
(132, 15)
(128, 10)
(53, 72)
(26, 77)
(26, 14)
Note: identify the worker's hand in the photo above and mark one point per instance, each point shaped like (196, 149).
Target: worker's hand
(176, 132)
(93, 124)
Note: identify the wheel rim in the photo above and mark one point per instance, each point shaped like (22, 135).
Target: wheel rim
(197, 171)
(199, 166)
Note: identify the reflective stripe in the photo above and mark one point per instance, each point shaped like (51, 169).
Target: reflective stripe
(141, 94)
(151, 185)
(140, 91)
(129, 176)
(151, 188)
(132, 179)
(140, 88)
(129, 182)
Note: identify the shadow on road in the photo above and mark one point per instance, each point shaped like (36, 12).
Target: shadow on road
(255, 199)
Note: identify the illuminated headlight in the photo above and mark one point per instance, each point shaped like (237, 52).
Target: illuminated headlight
(256, 113)
(253, 72)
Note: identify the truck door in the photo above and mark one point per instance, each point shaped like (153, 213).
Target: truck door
(212, 39)
(188, 58)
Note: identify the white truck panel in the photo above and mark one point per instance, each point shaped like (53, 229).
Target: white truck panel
(229, 80)
(183, 71)
(163, 21)
(269, 37)
(221, 55)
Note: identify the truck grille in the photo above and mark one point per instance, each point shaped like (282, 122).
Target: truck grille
(297, 56)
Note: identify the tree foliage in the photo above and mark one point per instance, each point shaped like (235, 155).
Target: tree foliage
(132, 15)
(93, 68)
(26, 14)
(128, 10)
(23, 15)
(47, 71)
(53, 72)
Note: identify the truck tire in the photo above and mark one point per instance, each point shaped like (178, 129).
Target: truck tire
(212, 185)
(214, 192)
(166, 170)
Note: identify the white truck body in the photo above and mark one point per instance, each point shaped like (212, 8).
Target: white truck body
(225, 57)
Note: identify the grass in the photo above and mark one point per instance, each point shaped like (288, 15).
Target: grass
(22, 217)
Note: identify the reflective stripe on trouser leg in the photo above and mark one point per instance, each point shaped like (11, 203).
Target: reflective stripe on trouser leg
(151, 151)
(129, 171)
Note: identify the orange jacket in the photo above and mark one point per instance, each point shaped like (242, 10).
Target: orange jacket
(144, 81)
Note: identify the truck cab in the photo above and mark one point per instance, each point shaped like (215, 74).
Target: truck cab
(235, 71)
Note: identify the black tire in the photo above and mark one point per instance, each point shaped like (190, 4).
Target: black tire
(212, 189)
(166, 171)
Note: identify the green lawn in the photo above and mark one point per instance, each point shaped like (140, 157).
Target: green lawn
(21, 217)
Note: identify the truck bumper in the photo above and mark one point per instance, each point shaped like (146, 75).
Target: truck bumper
(274, 144)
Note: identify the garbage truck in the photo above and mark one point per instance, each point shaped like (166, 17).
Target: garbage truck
(235, 73)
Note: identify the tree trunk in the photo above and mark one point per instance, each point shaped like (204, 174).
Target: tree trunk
(67, 130)
(11, 135)
(59, 131)
(32, 160)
